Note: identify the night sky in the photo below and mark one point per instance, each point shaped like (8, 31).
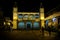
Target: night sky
(27, 5)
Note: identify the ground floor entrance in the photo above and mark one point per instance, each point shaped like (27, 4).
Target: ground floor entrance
(28, 25)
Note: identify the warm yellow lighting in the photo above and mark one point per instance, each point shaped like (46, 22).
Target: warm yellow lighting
(14, 24)
(25, 18)
(41, 9)
(42, 23)
(50, 23)
(19, 19)
(4, 23)
(37, 20)
(28, 13)
(15, 9)
(55, 14)
(55, 24)
(15, 17)
(42, 18)
(8, 23)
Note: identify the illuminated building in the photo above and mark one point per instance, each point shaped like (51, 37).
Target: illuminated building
(28, 20)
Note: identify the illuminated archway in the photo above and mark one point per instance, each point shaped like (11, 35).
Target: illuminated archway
(36, 25)
(29, 25)
(21, 25)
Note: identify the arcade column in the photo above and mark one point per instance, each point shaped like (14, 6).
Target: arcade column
(15, 18)
(42, 16)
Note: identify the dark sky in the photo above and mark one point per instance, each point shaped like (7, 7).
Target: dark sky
(30, 5)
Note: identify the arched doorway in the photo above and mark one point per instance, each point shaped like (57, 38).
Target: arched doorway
(21, 25)
(36, 25)
(28, 25)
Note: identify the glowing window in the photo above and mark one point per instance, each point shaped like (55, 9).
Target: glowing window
(25, 16)
(29, 23)
(20, 16)
(32, 16)
(36, 16)
(36, 25)
(21, 25)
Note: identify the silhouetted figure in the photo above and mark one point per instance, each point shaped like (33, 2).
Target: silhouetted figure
(58, 31)
(42, 31)
(49, 30)
(8, 28)
(11, 29)
(59, 26)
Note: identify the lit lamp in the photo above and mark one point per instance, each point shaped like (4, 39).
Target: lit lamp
(15, 17)
(42, 22)
(4, 23)
(42, 18)
(8, 23)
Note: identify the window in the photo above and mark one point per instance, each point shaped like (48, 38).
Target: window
(20, 16)
(36, 25)
(25, 16)
(21, 25)
(29, 24)
(32, 16)
(37, 16)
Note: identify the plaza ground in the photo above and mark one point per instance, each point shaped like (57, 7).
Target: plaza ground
(27, 35)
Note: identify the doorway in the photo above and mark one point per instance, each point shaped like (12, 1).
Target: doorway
(28, 25)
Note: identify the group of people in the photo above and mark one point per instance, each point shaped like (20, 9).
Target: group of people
(6, 28)
(49, 29)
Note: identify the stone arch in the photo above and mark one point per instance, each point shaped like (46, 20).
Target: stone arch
(21, 25)
(36, 25)
(28, 24)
